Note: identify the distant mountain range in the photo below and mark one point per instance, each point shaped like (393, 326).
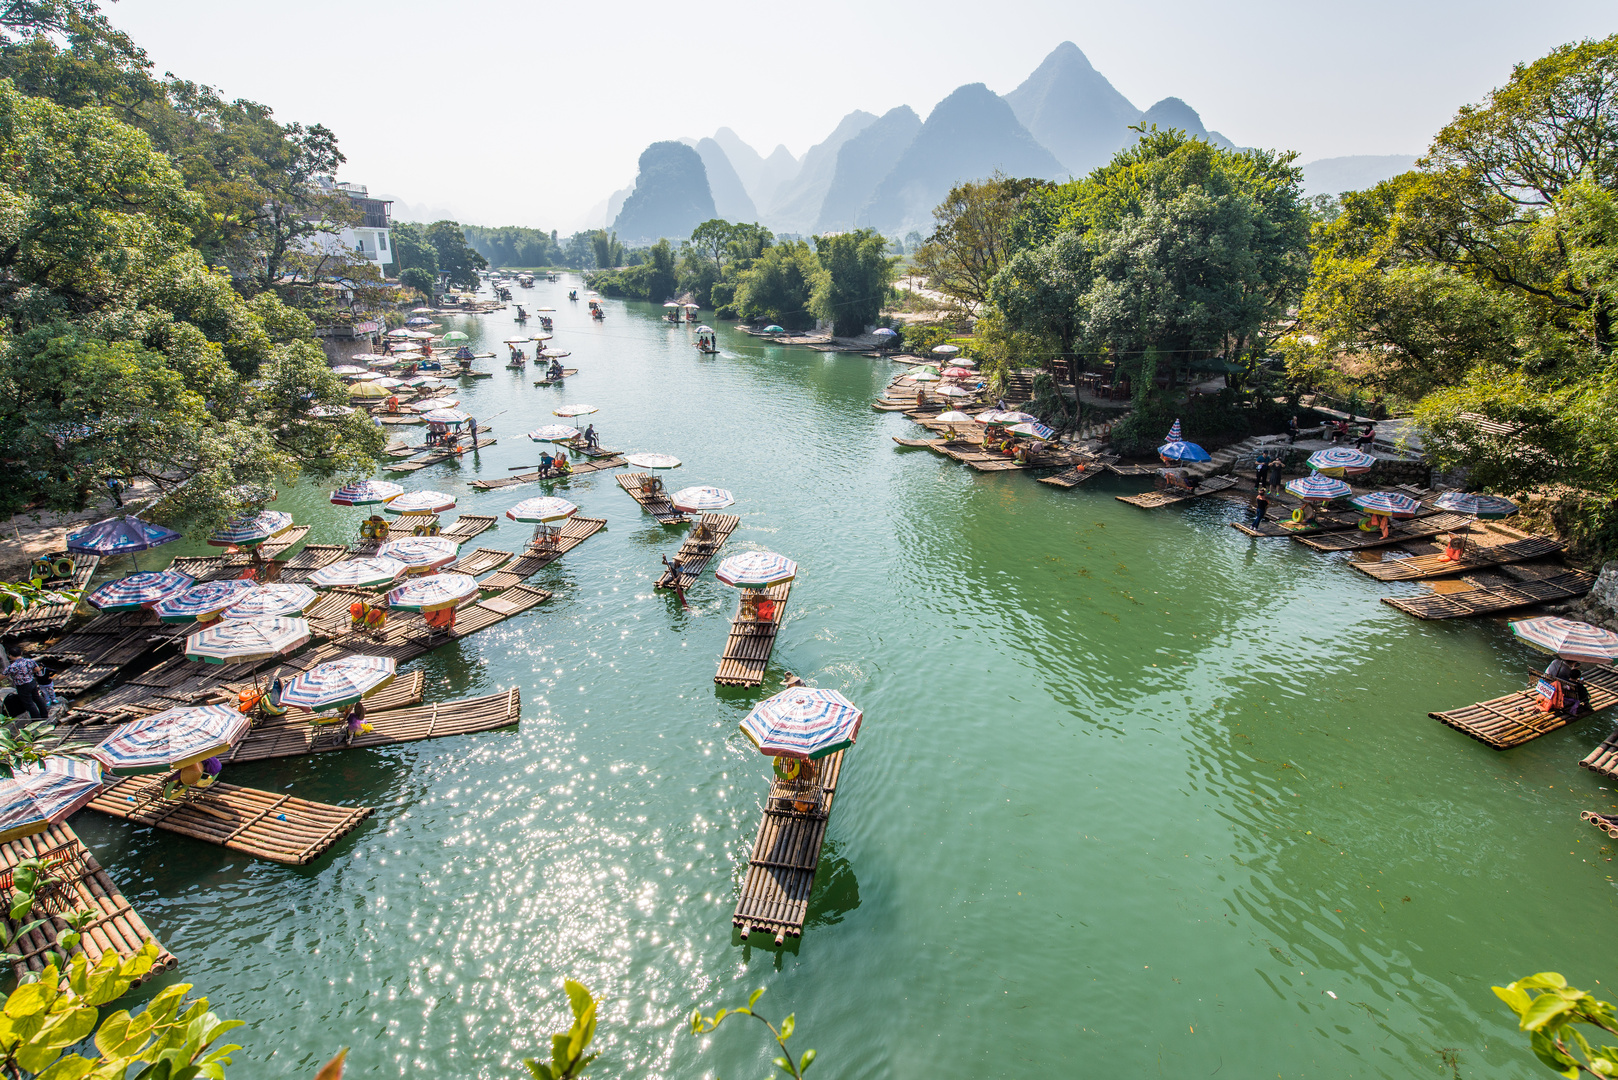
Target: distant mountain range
(889, 172)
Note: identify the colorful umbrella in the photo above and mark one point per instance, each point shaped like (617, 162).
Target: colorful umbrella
(1387, 503)
(1183, 451)
(952, 391)
(446, 416)
(366, 493)
(241, 641)
(455, 337)
(1341, 461)
(38, 796)
(554, 433)
(963, 361)
(270, 600)
(653, 461)
(803, 722)
(956, 416)
(367, 390)
(119, 536)
(698, 499)
(542, 508)
(705, 330)
(138, 590)
(252, 529)
(433, 593)
(173, 738)
(420, 502)
(883, 331)
(1036, 429)
(1318, 488)
(574, 410)
(418, 321)
(401, 333)
(756, 570)
(1481, 506)
(956, 372)
(201, 601)
(367, 573)
(1005, 416)
(1568, 638)
(420, 553)
(388, 381)
(773, 329)
(925, 376)
(431, 404)
(337, 683)
(1175, 435)
(349, 369)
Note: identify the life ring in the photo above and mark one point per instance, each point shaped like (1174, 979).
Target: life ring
(419, 530)
(1367, 525)
(367, 530)
(787, 769)
(1297, 515)
(247, 699)
(64, 566)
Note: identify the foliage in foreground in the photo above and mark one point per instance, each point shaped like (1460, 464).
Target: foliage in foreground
(702, 1025)
(1551, 1011)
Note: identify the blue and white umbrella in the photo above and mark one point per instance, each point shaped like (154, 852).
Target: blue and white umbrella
(1480, 506)
(1388, 504)
(1182, 451)
(273, 600)
(420, 553)
(173, 738)
(1034, 429)
(541, 509)
(756, 570)
(803, 722)
(1006, 416)
(433, 593)
(241, 641)
(698, 499)
(337, 683)
(39, 796)
(1318, 488)
(119, 536)
(138, 590)
(1341, 461)
(1174, 434)
(252, 529)
(420, 502)
(366, 493)
(201, 601)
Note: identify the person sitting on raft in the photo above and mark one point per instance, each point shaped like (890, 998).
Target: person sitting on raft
(590, 439)
(556, 369)
(1454, 546)
(1575, 695)
(545, 463)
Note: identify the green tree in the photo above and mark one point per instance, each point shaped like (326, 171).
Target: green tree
(456, 257)
(1043, 290)
(973, 237)
(423, 281)
(780, 285)
(859, 273)
(412, 250)
(712, 240)
(661, 279)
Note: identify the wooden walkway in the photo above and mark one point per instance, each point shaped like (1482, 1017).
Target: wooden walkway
(277, 828)
(656, 505)
(1356, 540)
(1486, 601)
(1512, 720)
(695, 555)
(1151, 500)
(575, 531)
(748, 648)
(1432, 566)
(49, 618)
(612, 461)
(786, 853)
(294, 736)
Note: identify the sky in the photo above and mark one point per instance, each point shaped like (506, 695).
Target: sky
(517, 112)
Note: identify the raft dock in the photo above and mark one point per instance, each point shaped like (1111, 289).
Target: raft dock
(1494, 598)
(1152, 500)
(695, 555)
(575, 531)
(1416, 529)
(1432, 566)
(289, 736)
(1509, 721)
(786, 853)
(614, 460)
(657, 505)
(748, 648)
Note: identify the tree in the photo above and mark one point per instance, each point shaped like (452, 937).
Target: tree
(419, 279)
(712, 239)
(456, 257)
(1551, 1011)
(1043, 290)
(411, 249)
(661, 278)
(973, 238)
(780, 285)
(859, 273)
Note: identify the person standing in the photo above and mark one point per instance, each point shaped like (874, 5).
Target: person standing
(1261, 469)
(1275, 470)
(24, 672)
(1261, 508)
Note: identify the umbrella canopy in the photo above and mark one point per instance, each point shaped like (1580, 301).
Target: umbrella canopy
(455, 337)
(252, 529)
(338, 683)
(401, 333)
(542, 508)
(423, 380)
(173, 738)
(1341, 461)
(1318, 488)
(138, 590)
(430, 404)
(956, 416)
(433, 593)
(540, 337)
(38, 796)
(119, 536)
(945, 350)
(420, 335)
(925, 376)
(366, 493)
(446, 416)
(242, 641)
(670, 303)
(1175, 435)
(1005, 416)
(883, 332)
(272, 600)
(367, 390)
(1568, 638)
(327, 412)
(692, 306)
(653, 461)
(952, 391)
(371, 357)
(544, 309)
(418, 321)
(1183, 451)
(367, 573)
(554, 433)
(201, 601)
(1036, 429)
(368, 376)
(963, 361)
(698, 499)
(514, 341)
(349, 369)
(957, 372)
(803, 722)
(773, 329)
(574, 410)
(756, 570)
(420, 502)
(705, 330)
(388, 381)
(1387, 503)
(1482, 506)
(420, 553)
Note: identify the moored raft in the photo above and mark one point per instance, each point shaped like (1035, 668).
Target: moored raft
(655, 503)
(1432, 566)
(573, 532)
(614, 460)
(1151, 500)
(1505, 722)
(1356, 540)
(751, 641)
(1486, 601)
(786, 854)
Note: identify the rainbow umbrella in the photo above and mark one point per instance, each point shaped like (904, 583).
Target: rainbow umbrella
(337, 683)
(201, 601)
(252, 529)
(1005, 416)
(119, 536)
(446, 416)
(1479, 506)
(1318, 488)
(173, 738)
(1175, 435)
(366, 493)
(542, 508)
(653, 461)
(1179, 451)
(803, 722)
(433, 593)
(756, 570)
(554, 433)
(1341, 461)
(367, 573)
(420, 553)
(574, 410)
(276, 599)
(1568, 638)
(420, 502)
(697, 499)
(1387, 503)
(1037, 430)
(38, 796)
(138, 590)
(241, 641)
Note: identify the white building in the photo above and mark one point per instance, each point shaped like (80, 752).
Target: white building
(371, 238)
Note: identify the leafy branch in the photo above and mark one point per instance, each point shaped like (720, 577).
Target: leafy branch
(701, 1025)
(568, 1057)
(1551, 1016)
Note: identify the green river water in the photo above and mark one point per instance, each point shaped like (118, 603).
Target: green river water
(1135, 794)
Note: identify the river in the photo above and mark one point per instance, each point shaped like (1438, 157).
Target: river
(1135, 794)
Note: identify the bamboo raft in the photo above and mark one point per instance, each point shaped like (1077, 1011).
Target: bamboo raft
(566, 373)
(1515, 719)
(1133, 470)
(613, 460)
(1151, 500)
(1495, 598)
(1325, 521)
(1079, 474)
(296, 570)
(1607, 823)
(437, 456)
(1604, 758)
(786, 853)
(695, 555)
(277, 828)
(1432, 566)
(293, 736)
(657, 505)
(49, 618)
(972, 455)
(116, 927)
(575, 531)
(407, 636)
(480, 561)
(748, 648)
(1417, 529)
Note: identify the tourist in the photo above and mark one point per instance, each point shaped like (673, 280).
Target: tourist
(1261, 508)
(590, 440)
(355, 720)
(1571, 679)
(116, 486)
(1367, 437)
(1454, 546)
(545, 463)
(1261, 468)
(1293, 430)
(24, 672)
(674, 580)
(1275, 470)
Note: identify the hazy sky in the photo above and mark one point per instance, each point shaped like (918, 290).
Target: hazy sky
(528, 113)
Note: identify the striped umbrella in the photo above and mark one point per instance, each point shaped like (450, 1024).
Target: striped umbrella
(1568, 638)
(964, 361)
(1481, 506)
(420, 502)
(1182, 451)
(653, 461)
(388, 381)
(574, 410)
(366, 493)
(201, 601)
(1341, 461)
(338, 683)
(433, 593)
(554, 433)
(119, 536)
(274, 599)
(925, 376)
(420, 553)
(252, 529)
(446, 416)
(952, 391)
(241, 641)
(542, 508)
(1318, 488)
(803, 722)
(1005, 416)
(956, 372)
(1175, 434)
(697, 499)
(756, 570)
(1387, 503)
(946, 350)
(955, 416)
(138, 590)
(38, 796)
(173, 738)
(1037, 430)
(368, 573)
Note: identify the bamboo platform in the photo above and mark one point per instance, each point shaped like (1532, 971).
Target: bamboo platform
(1079, 474)
(1604, 758)
(1607, 823)
(480, 561)
(1433, 566)
(1151, 500)
(437, 457)
(575, 531)
(49, 618)
(1133, 470)
(972, 455)
(1515, 719)
(1495, 598)
(656, 505)
(1355, 540)
(296, 570)
(695, 555)
(748, 648)
(613, 460)
(1325, 521)
(567, 373)
(116, 927)
(277, 828)
(294, 736)
(406, 636)
(929, 444)
(786, 853)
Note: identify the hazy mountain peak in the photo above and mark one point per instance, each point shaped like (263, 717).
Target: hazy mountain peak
(1073, 110)
(671, 195)
(797, 203)
(730, 198)
(1171, 112)
(862, 163)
